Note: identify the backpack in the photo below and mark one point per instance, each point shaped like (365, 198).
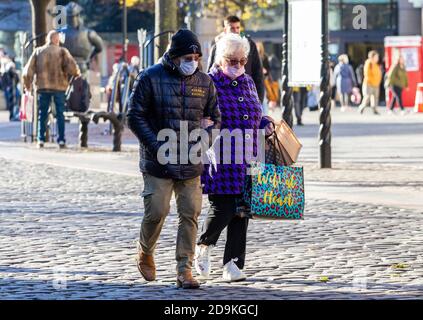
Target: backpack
(78, 95)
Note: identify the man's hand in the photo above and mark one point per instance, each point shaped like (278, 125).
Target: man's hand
(206, 122)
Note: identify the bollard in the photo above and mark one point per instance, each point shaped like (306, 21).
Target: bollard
(117, 123)
(84, 120)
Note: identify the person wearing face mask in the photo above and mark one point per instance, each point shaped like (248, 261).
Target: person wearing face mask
(165, 95)
(254, 67)
(224, 183)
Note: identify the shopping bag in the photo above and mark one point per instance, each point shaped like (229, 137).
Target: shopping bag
(277, 192)
(291, 145)
(275, 153)
(27, 102)
(356, 96)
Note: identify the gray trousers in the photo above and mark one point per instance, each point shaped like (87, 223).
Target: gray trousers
(370, 94)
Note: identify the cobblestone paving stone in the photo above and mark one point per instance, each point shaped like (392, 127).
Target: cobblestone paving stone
(70, 234)
(367, 174)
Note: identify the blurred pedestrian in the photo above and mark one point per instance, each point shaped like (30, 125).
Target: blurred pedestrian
(300, 103)
(241, 110)
(332, 84)
(111, 83)
(345, 80)
(166, 96)
(359, 73)
(254, 68)
(134, 69)
(271, 85)
(275, 67)
(52, 66)
(10, 82)
(371, 82)
(134, 66)
(397, 81)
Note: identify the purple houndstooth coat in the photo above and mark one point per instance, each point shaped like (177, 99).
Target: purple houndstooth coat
(241, 109)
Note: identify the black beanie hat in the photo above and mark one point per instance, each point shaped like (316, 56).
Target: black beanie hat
(184, 42)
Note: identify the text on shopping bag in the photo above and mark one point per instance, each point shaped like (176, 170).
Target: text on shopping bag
(278, 192)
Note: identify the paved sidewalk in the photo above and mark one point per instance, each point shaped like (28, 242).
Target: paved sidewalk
(69, 219)
(69, 234)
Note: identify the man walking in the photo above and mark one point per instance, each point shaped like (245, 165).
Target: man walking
(168, 95)
(52, 66)
(254, 67)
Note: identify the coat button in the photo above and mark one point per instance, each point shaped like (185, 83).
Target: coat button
(247, 136)
(234, 83)
(240, 99)
(245, 117)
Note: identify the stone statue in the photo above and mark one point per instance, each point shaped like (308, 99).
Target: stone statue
(83, 43)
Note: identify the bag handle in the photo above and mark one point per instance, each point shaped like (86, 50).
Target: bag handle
(278, 146)
(69, 88)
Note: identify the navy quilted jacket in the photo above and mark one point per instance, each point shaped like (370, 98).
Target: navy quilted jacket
(161, 99)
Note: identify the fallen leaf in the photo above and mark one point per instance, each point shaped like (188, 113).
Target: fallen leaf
(324, 279)
(400, 266)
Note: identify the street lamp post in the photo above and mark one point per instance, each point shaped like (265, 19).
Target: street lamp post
(286, 90)
(325, 135)
(125, 32)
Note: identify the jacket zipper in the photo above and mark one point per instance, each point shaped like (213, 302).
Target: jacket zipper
(183, 116)
(183, 98)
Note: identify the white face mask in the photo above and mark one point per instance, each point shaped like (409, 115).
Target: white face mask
(187, 68)
(62, 37)
(233, 72)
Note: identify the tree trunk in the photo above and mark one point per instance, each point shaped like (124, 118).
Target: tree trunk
(39, 20)
(166, 19)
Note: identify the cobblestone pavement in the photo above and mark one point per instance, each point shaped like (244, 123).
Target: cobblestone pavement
(69, 234)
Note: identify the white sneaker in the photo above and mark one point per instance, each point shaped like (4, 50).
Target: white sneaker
(232, 273)
(202, 260)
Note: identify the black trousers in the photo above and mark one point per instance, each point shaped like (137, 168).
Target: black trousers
(396, 96)
(222, 213)
(300, 103)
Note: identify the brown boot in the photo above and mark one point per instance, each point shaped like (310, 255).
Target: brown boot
(146, 266)
(186, 280)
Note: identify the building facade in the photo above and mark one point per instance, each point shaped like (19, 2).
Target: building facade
(383, 18)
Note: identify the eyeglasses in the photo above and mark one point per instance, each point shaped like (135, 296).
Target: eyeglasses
(234, 62)
(191, 58)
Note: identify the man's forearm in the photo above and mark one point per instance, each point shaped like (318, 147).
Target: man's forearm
(141, 127)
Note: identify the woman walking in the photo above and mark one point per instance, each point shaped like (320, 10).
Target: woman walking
(371, 82)
(241, 109)
(397, 81)
(345, 80)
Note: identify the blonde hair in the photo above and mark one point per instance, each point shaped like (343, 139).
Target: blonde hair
(343, 58)
(372, 53)
(260, 49)
(229, 44)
